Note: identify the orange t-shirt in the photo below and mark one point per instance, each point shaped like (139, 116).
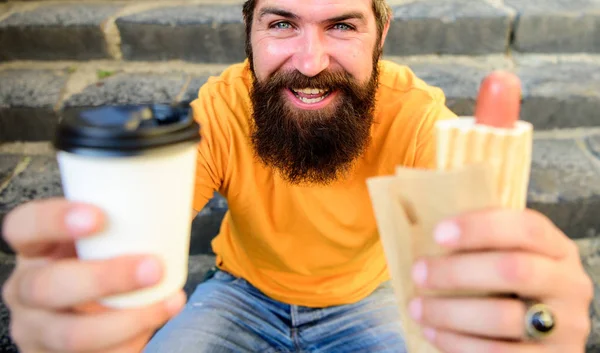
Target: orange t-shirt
(311, 246)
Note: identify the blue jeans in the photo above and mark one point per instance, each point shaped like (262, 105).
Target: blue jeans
(228, 314)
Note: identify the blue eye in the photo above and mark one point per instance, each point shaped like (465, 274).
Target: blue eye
(343, 27)
(282, 25)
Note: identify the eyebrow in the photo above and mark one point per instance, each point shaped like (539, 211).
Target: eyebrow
(290, 15)
(348, 16)
(275, 11)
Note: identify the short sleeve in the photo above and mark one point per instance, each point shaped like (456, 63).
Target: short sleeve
(213, 149)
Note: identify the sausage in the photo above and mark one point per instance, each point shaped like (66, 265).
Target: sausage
(499, 101)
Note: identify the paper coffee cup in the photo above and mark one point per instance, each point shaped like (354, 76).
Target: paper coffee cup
(138, 165)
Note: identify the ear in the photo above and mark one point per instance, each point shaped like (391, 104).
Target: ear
(386, 29)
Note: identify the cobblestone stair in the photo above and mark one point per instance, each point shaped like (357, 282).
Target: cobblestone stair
(57, 57)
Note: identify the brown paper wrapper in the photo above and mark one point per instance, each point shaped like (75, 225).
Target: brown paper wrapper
(407, 208)
(479, 167)
(461, 142)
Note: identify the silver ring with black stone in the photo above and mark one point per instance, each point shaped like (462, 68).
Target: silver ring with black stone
(540, 322)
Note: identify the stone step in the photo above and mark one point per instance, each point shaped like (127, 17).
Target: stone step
(560, 91)
(213, 31)
(563, 185)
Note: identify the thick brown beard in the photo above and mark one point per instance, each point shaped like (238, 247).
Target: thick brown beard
(312, 146)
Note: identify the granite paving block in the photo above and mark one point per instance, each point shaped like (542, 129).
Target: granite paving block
(30, 88)
(6, 343)
(128, 88)
(200, 33)
(448, 27)
(460, 83)
(57, 32)
(557, 26)
(7, 264)
(593, 145)
(198, 266)
(557, 93)
(8, 164)
(8, 168)
(27, 100)
(39, 180)
(27, 124)
(207, 224)
(193, 88)
(561, 95)
(589, 250)
(564, 185)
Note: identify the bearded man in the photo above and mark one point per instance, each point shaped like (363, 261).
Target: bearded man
(289, 138)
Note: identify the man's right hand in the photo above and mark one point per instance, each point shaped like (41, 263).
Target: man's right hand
(52, 296)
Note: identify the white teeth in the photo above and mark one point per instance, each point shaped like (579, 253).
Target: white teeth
(311, 100)
(309, 90)
(322, 93)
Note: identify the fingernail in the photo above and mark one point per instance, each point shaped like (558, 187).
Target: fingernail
(148, 272)
(175, 304)
(80, 221)
(429, 333)
(415, 309)
(419, 273)
(447, 233)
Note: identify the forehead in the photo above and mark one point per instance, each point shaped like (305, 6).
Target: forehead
(318, 8)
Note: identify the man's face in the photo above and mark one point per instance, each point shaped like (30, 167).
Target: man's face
(315, 69)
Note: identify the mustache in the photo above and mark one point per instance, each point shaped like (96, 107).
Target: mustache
(326, 80)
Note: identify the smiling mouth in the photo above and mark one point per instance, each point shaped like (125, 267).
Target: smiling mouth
(310, 95)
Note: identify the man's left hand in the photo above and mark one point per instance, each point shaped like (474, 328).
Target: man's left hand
(522, 254)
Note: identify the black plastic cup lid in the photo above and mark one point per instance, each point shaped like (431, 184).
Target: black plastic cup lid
(125, 130)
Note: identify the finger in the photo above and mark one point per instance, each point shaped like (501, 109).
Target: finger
(135, 345)
(525, 274)
(449, 342)
(22, 335)
(9, 294)
(74, 333)
(492, 318)
(68, 283)
(90, 308)
(504, 230)
(27, 331)
(32, 228)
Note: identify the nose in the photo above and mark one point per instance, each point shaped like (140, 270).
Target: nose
(311, 57)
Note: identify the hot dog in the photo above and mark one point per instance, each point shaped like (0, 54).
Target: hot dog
(499, 101)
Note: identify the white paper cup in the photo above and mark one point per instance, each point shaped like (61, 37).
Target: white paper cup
(142, 176)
